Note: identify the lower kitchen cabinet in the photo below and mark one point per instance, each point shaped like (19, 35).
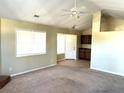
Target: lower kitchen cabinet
(84, 53)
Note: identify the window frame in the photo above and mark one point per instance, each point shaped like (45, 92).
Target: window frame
(64, 43)
(31, 54)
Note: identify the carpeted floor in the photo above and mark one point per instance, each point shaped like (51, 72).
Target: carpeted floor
(75, 63)
(65, 79)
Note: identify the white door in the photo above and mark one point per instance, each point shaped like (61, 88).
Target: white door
(71, 46)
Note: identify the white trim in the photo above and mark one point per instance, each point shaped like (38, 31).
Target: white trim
(106, 71)
(35, 69)
(31, 54)
(34, 53)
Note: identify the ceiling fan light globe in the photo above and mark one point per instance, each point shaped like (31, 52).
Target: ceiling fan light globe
(74, 9)
(74, 12)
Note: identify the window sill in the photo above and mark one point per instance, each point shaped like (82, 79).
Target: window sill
(28, 55)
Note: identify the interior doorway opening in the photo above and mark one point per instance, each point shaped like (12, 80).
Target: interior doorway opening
(66, 46)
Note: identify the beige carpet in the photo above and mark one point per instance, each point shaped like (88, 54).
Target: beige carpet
(75, 63)
(64, 79)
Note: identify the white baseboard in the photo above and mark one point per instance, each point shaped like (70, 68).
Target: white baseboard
(35, 69)
(106, 71)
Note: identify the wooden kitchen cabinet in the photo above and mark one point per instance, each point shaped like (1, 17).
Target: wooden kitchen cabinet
(86, 39)
(84, 53)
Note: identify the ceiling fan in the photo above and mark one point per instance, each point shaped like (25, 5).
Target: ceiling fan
(75, 11)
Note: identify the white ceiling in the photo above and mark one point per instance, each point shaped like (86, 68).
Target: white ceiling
(50, 11)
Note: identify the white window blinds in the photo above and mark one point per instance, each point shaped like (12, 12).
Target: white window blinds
(30, 43)
(60, 43)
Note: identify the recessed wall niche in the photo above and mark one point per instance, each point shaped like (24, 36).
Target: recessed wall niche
(109, 23)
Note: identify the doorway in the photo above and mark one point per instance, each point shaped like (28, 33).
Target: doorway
(71, 46)
(66, 46)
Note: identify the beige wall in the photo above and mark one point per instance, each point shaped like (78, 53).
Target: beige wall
(116, 24)
(86, 46)
(0, 49)
(107, 48)
(10, 63)
(87, 31)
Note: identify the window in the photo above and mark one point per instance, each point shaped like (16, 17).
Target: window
(30, 43)
(60, 43)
